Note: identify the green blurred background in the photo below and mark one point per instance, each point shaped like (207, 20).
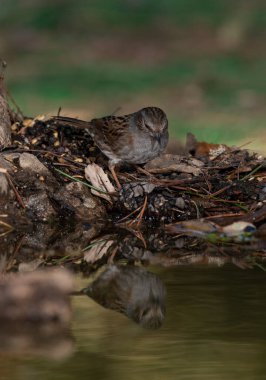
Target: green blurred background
(202, 61)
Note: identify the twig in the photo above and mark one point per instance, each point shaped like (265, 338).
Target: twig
(245, 144)
(219, 191)
(18, 245)
(139, 217)
(147, 174)
(9, 228)
(10, 97)
(253, 171)
(15, 190)
(129, 215)
(139, 235)
(142, 211)
(226, 215)
(197, 209)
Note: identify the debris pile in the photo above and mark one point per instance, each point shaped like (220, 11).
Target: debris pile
(55, 175)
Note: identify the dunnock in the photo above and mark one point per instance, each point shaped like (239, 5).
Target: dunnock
(133, 139)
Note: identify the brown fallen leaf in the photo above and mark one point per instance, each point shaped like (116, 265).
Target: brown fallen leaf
(237, 231)
(99, 179)
(238, 228)
(97, 251)
(196, 227)
(173, 163)
(203, 149)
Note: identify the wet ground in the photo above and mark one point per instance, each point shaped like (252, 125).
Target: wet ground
(214, 328)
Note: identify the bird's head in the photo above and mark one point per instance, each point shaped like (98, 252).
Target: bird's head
(154, 121)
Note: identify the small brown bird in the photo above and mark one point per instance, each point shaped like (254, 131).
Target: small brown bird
(130, 139)
(130, 290)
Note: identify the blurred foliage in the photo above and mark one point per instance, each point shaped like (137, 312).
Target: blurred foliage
(191, 57)
(51, 15)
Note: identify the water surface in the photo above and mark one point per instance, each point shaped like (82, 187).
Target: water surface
(214, 329)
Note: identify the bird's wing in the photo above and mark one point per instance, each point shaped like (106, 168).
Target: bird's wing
(109, 130)
(71, 121)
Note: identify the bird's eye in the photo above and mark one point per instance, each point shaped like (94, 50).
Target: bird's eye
(148, 126)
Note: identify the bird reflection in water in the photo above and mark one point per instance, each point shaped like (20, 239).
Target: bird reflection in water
(130, 290)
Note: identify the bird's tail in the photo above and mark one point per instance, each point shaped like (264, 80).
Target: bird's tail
(71, 121)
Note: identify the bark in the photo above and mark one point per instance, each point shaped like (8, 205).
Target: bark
(5, 122)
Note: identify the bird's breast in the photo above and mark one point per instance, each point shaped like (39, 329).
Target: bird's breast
(143, 149)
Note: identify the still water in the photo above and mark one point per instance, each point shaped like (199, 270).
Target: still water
(215, 328)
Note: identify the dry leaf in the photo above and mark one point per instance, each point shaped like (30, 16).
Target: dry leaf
(197, 227)
(99, 179)
(203, 149)
(173, 163)
(239, 228)
(96, 252)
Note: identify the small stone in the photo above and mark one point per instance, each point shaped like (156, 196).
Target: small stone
(180, 203)
(30, 162)
(34, 141)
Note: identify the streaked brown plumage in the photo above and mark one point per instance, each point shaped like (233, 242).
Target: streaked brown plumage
(133, 139)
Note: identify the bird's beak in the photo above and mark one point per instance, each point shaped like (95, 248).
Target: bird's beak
(158, 137)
